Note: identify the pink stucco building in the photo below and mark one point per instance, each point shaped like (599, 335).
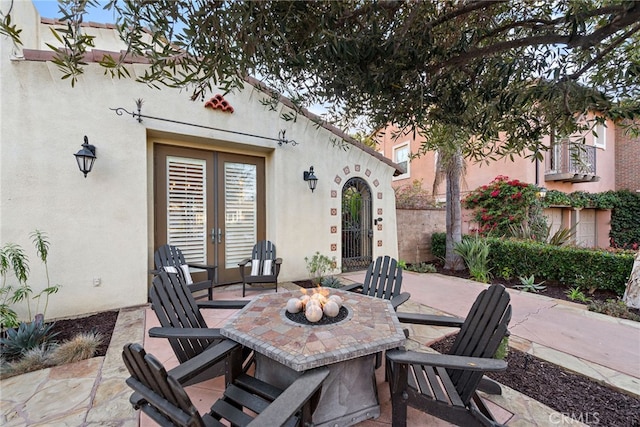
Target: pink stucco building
(602, 165)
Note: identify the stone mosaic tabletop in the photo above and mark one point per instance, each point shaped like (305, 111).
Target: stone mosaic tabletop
(262, 325)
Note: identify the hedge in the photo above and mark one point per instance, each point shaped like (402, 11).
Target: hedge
(569, 265)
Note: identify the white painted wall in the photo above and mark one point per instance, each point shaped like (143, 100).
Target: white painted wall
(102, 226)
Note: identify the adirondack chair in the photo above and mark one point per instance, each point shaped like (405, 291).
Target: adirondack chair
(171, 259)
(265, 266)
(159, 395)
(182, 323)
(445, 385)
(383, 280)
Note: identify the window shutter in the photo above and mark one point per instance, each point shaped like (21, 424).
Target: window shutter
(240, 211)
(186, 207)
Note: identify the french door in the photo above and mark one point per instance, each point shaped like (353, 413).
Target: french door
(210, 205)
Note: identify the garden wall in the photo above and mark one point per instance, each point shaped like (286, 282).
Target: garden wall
(415, 227)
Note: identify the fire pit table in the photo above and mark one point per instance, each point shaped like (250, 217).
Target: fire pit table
(284, 349)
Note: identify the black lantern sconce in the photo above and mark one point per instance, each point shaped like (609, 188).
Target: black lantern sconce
(310, 178)
(86, 156)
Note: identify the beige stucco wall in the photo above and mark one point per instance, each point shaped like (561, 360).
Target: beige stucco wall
(102, 226)
(415, 228)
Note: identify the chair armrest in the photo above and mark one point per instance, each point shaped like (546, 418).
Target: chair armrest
(354, 287)
(292, 399)
(203, 361)
(430, 319)
(223, 304)
(400, 299)
(194, 333)
(447, 361)
(203, 266)
(244, 262)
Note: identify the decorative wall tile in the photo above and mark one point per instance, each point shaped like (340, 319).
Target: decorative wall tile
(218, 103)
(334, 194)
(337, 179)
(357, 168)
(376, 182)
(379, 211)
(379, 195)
(334, 211)
(379, 242)
(346, 170)
(334, 247)
(367, 172)
(334, 229)
(379, 227)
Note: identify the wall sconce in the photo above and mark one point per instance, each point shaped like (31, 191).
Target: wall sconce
(86, 156)
(310, 178)
(542, 193)
(377, 221)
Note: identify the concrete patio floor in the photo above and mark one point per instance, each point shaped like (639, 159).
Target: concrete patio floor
(93, 392)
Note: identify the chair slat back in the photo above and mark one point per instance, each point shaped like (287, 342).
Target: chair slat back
(175, 307)
(264, 250)
(170, 256)
(383, 278)
(480, 335)
(162, 397)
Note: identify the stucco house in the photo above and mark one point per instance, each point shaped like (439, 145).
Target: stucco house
(595, 169)
(212, 176)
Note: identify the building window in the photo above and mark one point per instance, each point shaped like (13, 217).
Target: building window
(401, 157)
(600, 136)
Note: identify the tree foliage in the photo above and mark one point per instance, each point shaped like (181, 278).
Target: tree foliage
(515, 67)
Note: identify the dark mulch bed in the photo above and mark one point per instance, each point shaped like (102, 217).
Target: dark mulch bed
(553, 289)
(566, 392)
(102, 323)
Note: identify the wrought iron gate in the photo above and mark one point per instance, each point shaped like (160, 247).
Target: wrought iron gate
(357, 231)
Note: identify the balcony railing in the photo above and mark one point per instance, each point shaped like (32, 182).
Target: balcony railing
(571, 163)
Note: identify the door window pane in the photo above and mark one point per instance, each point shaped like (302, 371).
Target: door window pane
(187, 207)
(240, 211)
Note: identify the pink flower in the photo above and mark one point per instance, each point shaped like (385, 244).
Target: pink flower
(495, 193)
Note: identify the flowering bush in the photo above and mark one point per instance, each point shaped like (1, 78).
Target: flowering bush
(501, 203)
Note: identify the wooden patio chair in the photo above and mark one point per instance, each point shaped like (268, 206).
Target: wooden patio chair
(383, 280)
(159, 395)
(265, 266)
(445, 385)
(183, 325)
(171, 259)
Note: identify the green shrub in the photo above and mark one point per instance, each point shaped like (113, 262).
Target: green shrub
(475, 253)
(13, 259)
(576, 294)
(439, 245)
(625, 221)
(422, 267)
(318, 265)
(598, 268)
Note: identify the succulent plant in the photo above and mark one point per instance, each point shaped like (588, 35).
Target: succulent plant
(26, 337)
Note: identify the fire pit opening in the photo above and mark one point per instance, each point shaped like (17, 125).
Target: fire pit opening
(316, 307)
(325, 320)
